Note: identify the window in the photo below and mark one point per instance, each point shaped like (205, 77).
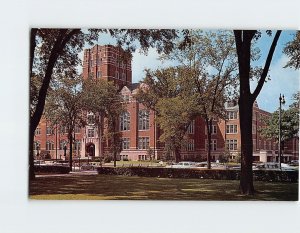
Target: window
(38, 131)
(124, 157)
(123, 76)
(63, 130)
(36, 145)
(62, 143)
(91, 63)
(49, 145)
(125, 121)
(231, 129)
(142, 157)
(98, 74)
(126, 98)
(143, 143)
(77, 145)
(214, 144)
(77, 129)
(49, 131)
(91, 119)
(213, 131)
(91, 133)
(125, 143)
(144, 119)
(231, 144)
(231, 115)
(190, 145)
(117, 75)
(191, 128)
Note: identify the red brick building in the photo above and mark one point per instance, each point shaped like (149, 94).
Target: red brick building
(138, 127)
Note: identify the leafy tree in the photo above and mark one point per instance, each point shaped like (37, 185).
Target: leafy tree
(64, 107)
(211, 58)
(168, 92)
(289, 123)
(55, 51)
(244, 40)
(292, 50)
(104, 100)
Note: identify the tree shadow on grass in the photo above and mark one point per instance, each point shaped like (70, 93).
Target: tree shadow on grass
(145, 188)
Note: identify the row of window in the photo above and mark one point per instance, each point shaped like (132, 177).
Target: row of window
(143, 120)
(265, 145)
(62, 144)
(97, 62)
(51, 131)
(143, 143)
(121, 77)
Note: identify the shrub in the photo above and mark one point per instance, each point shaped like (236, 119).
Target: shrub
(56, 169)
(107, 159)
(281, 176)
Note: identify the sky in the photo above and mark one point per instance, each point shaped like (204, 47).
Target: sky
(283, 80)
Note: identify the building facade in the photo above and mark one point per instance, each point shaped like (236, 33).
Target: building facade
(140, 133)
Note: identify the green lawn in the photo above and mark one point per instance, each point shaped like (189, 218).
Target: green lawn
(82, 187)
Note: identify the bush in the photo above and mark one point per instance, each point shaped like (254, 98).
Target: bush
(53, 169)
(282, 176)
(107, 159)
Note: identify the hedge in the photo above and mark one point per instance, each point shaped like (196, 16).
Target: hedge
(259, 175)
(56, 169)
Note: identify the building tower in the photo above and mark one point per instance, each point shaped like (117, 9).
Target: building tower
(109, 63)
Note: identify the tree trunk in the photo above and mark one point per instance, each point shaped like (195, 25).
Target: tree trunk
(177, 154)
(71, 151)
(243, 46)
(31, 159)
(114, 142)
(209, 129)
(246, 180)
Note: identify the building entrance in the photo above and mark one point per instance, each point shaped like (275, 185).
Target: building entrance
(90, 149)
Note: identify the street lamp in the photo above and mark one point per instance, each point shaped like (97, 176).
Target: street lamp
(281, 101)
(65, 151)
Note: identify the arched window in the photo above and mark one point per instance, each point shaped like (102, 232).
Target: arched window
(144, 116)
(125, 121)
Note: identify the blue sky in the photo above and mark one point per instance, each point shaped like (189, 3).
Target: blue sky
(283, 80)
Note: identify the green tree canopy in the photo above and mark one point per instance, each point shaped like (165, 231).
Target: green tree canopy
(289, 122)
(171, 95)
(292, 50)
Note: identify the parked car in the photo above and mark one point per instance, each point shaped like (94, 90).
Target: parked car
(294, 163)
(273, 166)
(89, 166)
(183, 164)
(39, 162)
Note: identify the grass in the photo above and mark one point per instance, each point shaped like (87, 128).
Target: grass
(106, 187)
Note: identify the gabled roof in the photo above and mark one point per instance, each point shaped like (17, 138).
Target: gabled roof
(133, 86)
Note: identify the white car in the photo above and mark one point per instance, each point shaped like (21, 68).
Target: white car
(273, 166)
(184, 164)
